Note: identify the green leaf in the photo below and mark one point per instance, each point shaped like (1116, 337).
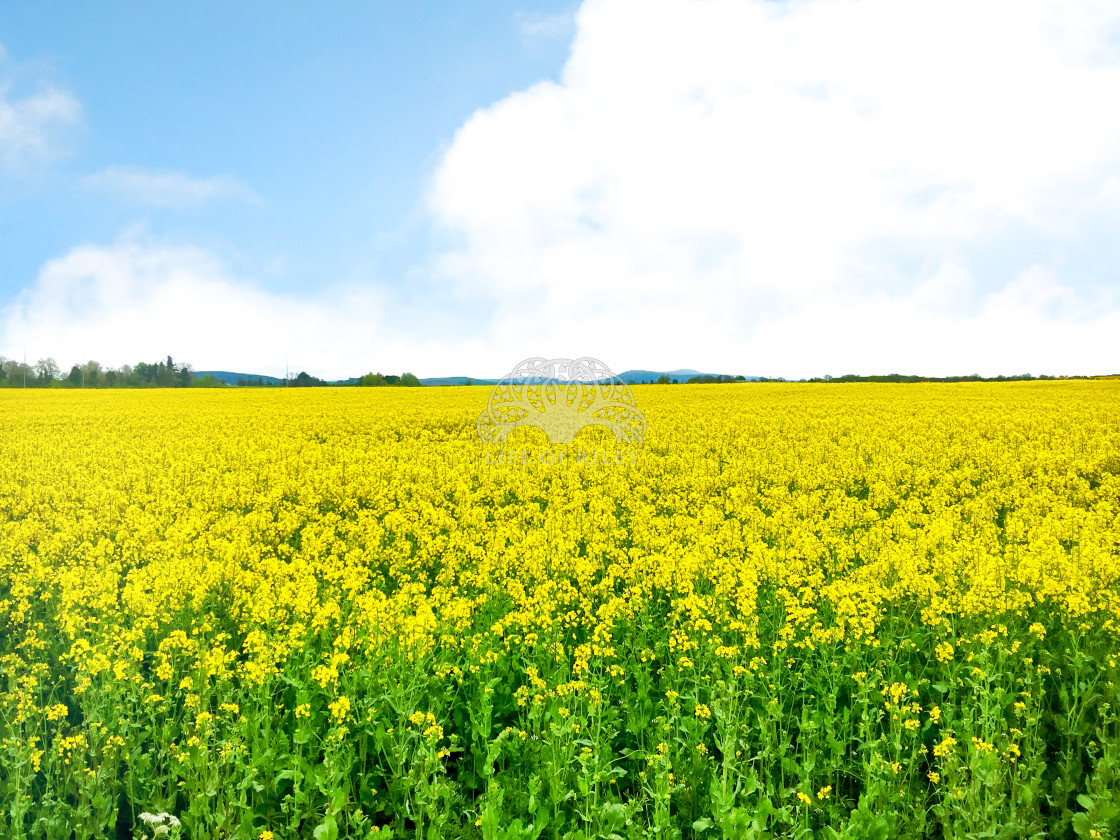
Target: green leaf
(326, 830)
(702, 824)
(338, 800)
(766, 810)
(614, 816)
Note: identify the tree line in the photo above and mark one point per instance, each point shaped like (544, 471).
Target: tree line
(898, 377)
(702, 379)
(167, 373)
(305, 380)
(376, 380)
(45, 373)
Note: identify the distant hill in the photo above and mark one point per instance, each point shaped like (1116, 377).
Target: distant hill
(457, 380)
(640, 377)
(231, 378)
(643, 377)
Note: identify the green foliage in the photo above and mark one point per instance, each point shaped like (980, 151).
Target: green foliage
(306, 380)
(376, 380)
(898, 377)
(373, 380)
(711, 379)
(452, 745)
(45, 373)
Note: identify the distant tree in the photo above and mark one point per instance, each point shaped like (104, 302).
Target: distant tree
(46, 370)
(409, 381)
(373, 380)
(91, 374)
(663, 379)
(306, 380)
(166, 376)
(74, 379)
(468, 382)
(15, 374)
(709, 379)
(208, 381)
(143, 373)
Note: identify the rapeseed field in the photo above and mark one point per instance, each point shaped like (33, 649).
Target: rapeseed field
(864, 611)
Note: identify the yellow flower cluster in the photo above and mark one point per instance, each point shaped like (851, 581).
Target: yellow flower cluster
(204, 558)
(379, 516)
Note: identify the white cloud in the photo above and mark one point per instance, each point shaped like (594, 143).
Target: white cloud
(140, 300)
(166, 189)
(781, 189)
(541, 27)
(801, 188)
(1110, 189)
(33, 125)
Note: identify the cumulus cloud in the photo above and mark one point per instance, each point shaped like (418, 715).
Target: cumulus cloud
(140, 299)
(33, 125)
(738, 186)
(166, 189)
(801, 188)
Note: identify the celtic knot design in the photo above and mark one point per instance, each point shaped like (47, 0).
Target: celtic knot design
(561, 397)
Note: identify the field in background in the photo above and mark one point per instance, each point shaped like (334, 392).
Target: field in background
(866, 611)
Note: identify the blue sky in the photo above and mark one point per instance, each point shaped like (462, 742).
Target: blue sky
(332, 121)
(742, 186)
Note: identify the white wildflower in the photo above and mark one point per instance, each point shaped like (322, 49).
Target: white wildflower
(162, 821)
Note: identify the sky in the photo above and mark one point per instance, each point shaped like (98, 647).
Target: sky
(785, 188)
